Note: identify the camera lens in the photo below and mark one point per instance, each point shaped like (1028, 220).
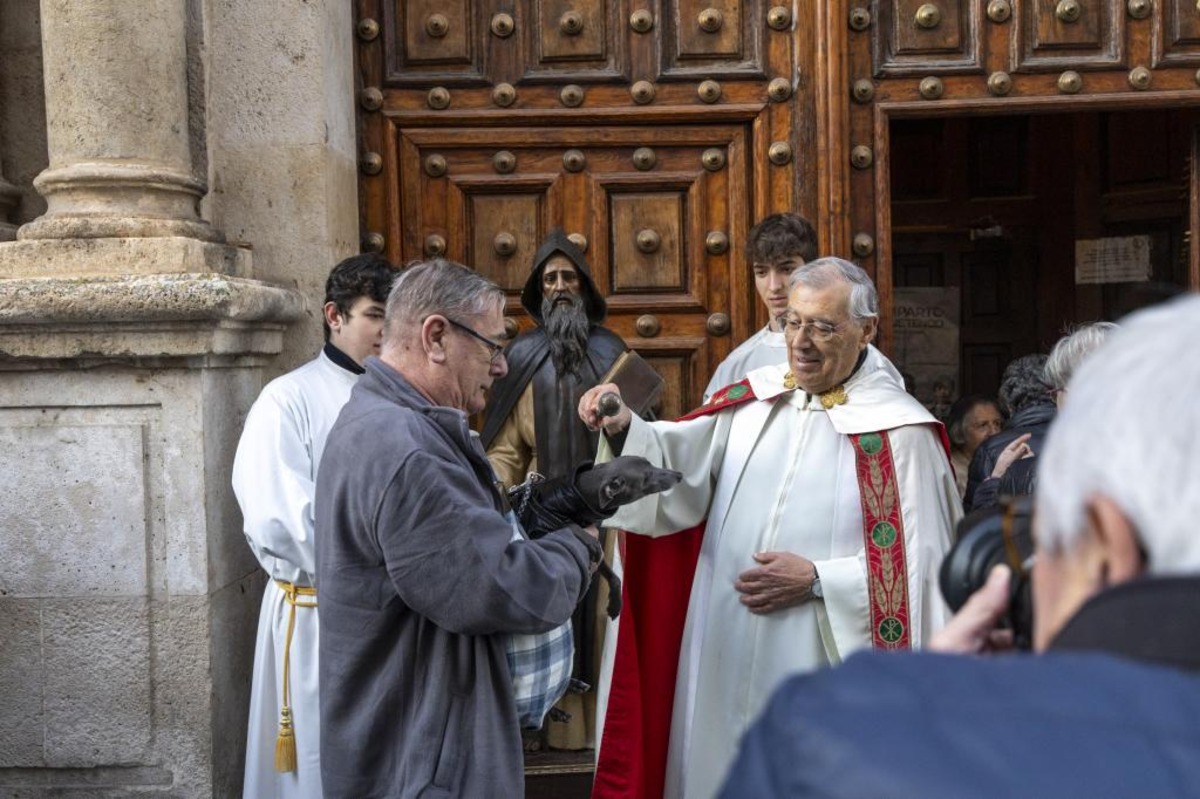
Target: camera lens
(986, 539)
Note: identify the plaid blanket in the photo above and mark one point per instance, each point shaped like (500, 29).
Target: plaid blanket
(540, 665)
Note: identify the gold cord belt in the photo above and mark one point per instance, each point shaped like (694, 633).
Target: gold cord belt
(285, 741)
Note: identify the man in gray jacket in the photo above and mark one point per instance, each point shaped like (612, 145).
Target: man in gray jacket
(420, 579)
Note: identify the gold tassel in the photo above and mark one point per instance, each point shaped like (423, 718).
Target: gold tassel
(285, 743)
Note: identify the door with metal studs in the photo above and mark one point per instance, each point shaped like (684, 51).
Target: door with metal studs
(655, 134)
(1013, 61)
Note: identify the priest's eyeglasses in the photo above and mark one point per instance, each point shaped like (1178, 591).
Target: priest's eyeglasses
(817, 331)
(495, 348)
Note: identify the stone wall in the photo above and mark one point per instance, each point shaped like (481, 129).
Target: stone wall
(281, 144)
(134, 335)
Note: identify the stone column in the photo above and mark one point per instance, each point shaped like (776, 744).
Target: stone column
(117, 114)
(132, 342)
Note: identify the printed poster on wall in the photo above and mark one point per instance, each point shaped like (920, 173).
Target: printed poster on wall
(1122, 259)
(926, 345)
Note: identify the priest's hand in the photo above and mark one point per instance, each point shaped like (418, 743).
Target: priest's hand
(590, 410)
(781, 580)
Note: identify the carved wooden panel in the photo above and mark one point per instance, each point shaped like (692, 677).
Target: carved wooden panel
(576, 40)
(504, 229)
(663, 220)
(920, 37)
(646, 239)
(712, 38)
(431, 40)
(1177, 34)
(464, 83)
(676, 363)
(1071, 34)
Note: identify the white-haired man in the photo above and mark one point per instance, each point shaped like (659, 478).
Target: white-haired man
(829, 503)
(1117, 573)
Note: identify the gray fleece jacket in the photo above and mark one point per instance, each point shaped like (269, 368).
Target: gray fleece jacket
(418, 583)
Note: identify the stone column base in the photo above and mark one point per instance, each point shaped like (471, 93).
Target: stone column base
(141, 320)
(116, 257)
(114, 199)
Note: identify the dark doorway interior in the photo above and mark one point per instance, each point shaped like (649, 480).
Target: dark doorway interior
(990, 209)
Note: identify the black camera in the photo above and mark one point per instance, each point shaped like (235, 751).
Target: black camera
(986, 538)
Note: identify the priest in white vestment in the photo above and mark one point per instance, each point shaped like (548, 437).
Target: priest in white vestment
(829, 502)
(274, 478)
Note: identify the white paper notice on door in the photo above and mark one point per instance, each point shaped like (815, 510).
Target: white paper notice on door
(1121, 259)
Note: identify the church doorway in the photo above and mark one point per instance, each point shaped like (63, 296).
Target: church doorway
(1006, 229)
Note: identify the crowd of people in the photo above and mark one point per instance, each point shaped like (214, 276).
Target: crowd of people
(769, 598)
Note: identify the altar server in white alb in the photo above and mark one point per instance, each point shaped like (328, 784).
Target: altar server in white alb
(274, 478)
(829, 502)
(775, 247)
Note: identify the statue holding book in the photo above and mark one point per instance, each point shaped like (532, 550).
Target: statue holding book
(532, 424)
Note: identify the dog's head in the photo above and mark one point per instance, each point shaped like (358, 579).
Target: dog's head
(623, 480)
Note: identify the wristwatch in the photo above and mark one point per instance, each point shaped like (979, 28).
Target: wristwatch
(815, 588)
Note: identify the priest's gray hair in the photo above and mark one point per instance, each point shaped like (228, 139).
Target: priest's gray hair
(1071, 349)
(441, 287)
(1129, 432)
(824, 272)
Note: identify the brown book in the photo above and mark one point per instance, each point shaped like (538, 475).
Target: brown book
(641, 386)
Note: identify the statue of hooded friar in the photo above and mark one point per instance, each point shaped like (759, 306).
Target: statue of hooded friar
(532, 423)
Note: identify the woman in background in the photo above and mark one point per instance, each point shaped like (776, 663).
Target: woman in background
(973, 419)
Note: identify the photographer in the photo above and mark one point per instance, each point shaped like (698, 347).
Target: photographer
(1108, 707)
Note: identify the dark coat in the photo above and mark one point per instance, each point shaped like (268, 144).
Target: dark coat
(418, 584)
(1111, 712)
(1033, 419)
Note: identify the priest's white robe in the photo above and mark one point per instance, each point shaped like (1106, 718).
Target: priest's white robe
(274, 478)
(764, 348)
(781, 476)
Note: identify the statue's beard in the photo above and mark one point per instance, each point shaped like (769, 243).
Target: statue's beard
(567, 328)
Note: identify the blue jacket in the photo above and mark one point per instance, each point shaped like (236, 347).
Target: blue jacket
(1064, 724)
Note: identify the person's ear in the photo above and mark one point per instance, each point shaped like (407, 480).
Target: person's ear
(870, 327)
(1119, 553)
(333, 317)
(433, 338)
